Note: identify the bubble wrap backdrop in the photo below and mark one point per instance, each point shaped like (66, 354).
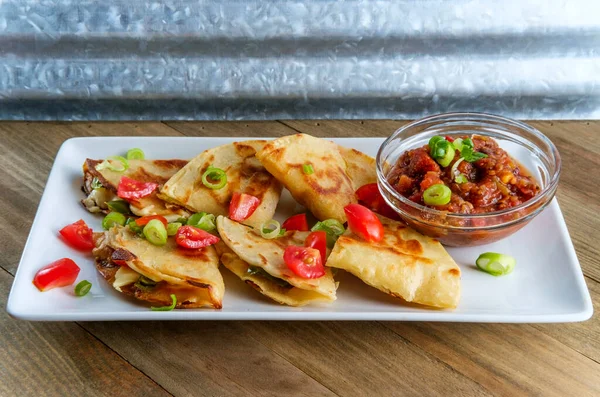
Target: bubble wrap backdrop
(242, 59)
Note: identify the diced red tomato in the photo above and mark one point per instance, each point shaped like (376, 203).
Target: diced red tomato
(363, 222)
(131, 189)
(193, 237)
(304, 261)
(317, 240)
(242, 206)
(370, 196)
(296, 222)
(60, 273)
(78, 235)
(145, 219)
(449, 138)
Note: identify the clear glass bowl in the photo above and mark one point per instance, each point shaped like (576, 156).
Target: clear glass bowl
(528, 146)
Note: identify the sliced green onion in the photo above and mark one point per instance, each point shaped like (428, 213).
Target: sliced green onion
(203, 220)
(135, 154)
(113, 218)
(333, 228)
(496, 264)
(214, 174)
(270, 229)
(433, 141)
(133, 226)
(145, 283)
(182, 220)
(166, 308)
(308, 169)
(82, 288)
(155, 232)
(462, 178)
(441, 150)
(172, 228)
(458, 144)
(437, 195)
(114, 163)
(96, 184)
(121, 206)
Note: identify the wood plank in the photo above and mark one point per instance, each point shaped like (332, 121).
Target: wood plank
(212, 358)
(61, 359)
(361, 358)
(508, 359)
(231, 128)
(583, 337)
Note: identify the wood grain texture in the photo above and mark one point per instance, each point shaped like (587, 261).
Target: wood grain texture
(61, 359)
(307, 358)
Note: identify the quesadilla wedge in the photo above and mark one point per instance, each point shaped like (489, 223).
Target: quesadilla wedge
(245, 174)
(404, 264)
(259, 262)
(151, 273)
(101, 186)
(319, 174)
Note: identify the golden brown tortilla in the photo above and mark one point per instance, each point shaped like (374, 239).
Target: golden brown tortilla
(157, 171)
(338, 172)
(191, 274)
(245, 174)
(404, 264)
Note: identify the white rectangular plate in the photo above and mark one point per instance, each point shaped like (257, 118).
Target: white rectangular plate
(546, 286)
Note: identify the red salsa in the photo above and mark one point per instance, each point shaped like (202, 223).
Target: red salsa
(481, 178)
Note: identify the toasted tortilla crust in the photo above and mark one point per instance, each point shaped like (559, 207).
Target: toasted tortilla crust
(192, 275)
(338, 172)
(254, 250)
(404, 264)
(286, 296)
(157, 171)
(245, 174)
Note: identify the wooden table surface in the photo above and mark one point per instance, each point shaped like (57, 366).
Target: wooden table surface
(291, 358)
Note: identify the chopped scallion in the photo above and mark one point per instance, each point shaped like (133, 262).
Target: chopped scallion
(135, 154)
(166, 308)
(113, 218)
(120, 206)
(214, 178)
(155, 232)
(114, 163)
(270, 229)
(82, 288)
(496, 264)
(308, 169)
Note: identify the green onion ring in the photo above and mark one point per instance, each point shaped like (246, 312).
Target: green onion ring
(120, 206)
(438, 194)
(82, 288)
(308, 169)
(166, 308)
(270, 229)
(496, 264)
(462, 178)
(216, 174)
(135, 154)
(122, 162)
(172, 228)
(202, 220)
(113, 218)
(155, 232)
(96, 184)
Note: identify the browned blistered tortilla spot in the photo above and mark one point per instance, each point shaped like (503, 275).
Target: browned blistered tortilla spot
(454, 272)
(199, 253)
(263, 259)
(121, 254)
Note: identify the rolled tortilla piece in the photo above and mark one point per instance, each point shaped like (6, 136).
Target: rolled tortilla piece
(151, 273)
(259, 262)
(245, 174)
(101, 186)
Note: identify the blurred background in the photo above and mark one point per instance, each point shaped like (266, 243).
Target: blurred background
(243, 59)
